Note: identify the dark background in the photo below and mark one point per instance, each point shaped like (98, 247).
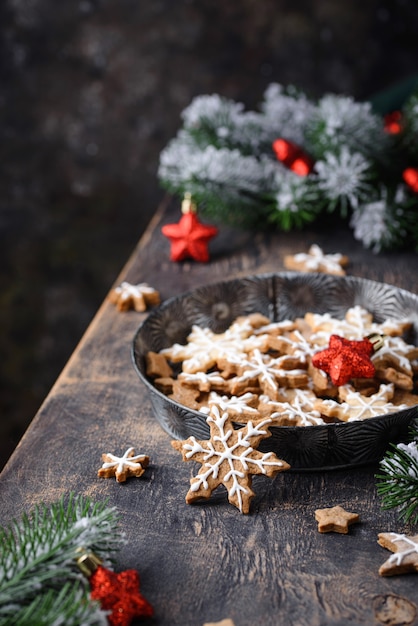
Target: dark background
(90, 93)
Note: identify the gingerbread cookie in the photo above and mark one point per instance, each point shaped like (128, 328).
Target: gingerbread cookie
(276, 364)
(335, 519)
(405, 557)
(156, 365)
(316, 261)
(354, 405)
(239, 408)
(204, 347)
(121, 467)
(298, 408)
(356, 324)
(230, 458)
(270, 373)
(127, 296)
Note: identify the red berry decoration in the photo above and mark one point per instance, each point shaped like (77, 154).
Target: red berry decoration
(293, 157)
(189, 238)
(410, 176)
(345, 359)
(393, 123)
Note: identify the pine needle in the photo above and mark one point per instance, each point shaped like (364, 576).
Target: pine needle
(37, 557)
(398, 480)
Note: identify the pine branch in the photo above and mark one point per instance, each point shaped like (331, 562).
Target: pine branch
(223, 155)
(71, 605)
(398, 480)
(39, 551)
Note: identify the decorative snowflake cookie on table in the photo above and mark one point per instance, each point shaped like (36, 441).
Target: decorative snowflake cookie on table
(121, 467)
(315, 260)
(138, 297)
(229, 458)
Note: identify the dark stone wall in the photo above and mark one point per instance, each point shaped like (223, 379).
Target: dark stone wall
(90, 92)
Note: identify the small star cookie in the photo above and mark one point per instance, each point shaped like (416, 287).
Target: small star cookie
(405, 557)
(124, 466)
(335, 519)
(127, 296)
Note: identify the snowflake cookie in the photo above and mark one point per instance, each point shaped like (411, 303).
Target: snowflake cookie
(405, 557)
(229, 458)
(205, 347)
(127, 296)
(121, 467)
(316, 261)
(258, 368)
(335, 519)
(354, 406)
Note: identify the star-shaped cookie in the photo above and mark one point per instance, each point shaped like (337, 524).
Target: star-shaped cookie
(405, 557)
(229, 458)
(121, 467)
(335, 519)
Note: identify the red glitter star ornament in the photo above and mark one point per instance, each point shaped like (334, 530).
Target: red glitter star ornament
(119, 593)
(345, 359)
(189, 238)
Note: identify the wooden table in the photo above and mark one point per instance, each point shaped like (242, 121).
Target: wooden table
(207, 562)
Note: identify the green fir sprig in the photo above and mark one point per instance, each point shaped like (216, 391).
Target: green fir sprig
(40, 582)
(398, 478)
(223, 155)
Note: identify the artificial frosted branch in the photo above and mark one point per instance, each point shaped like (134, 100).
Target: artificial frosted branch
(398, 480)
(223, 156)
(38, 559)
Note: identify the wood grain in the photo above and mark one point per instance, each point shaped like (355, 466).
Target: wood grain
(207, 562)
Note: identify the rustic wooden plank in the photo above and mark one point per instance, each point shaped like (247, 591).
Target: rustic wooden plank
(206, 562)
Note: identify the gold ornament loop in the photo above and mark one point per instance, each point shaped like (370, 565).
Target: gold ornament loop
(187, 205)
(88, 562)
(376, 340)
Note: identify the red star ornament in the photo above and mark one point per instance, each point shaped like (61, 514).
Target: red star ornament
(345, 359)
(119, 593)
(189, 238)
